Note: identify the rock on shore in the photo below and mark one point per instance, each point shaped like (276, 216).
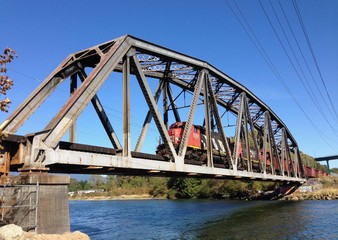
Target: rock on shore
(310, 196)
(14, 232)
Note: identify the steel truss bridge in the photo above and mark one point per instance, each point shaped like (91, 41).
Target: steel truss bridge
(259, 132)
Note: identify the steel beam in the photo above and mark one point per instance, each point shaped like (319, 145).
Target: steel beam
(126, 107)
(130, 55)
(103, 116)
(146, 123)
(224, 140)
(152, 105)
(173, 105)
(79, 100)
(113, 163)
(73, 87)
(187, 128)
(207, 119)
(334, 157)
(35, 99)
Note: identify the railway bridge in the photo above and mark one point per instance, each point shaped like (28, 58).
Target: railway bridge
(175, 88)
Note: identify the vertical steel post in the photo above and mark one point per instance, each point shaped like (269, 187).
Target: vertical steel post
(298, 163)
(273, 148)
(283, 153)
(207, 121)
(173, 105)
(213, 103)
(165, 102)
(246, 134)
(328, 167)
(126, 107)
(73, 87)
(242, 128)
(266, 143)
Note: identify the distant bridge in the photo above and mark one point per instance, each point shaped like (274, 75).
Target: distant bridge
(261, 147)
(327, 159)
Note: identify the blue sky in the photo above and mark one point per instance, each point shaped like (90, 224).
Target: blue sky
(45, 32)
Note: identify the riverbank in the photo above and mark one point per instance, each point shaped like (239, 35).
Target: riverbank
(324, 194)
(325, 188)
(106, 196)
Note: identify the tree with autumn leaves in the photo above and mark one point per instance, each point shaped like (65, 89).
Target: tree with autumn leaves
(5, 82)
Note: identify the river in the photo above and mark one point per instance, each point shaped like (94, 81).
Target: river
(205, 219)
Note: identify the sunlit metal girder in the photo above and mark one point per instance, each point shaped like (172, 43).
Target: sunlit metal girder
(186, 132)
(132, 56)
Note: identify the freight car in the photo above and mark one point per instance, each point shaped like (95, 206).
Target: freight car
(310, 172)
(197, 152)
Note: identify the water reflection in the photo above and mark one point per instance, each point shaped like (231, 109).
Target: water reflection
(205, 219)
(264, 220)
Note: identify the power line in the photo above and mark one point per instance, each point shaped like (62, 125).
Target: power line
(302, 54)
(273, 68)
(313, 55)
(312, 96)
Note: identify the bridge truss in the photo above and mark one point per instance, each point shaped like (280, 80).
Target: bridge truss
(261, 148)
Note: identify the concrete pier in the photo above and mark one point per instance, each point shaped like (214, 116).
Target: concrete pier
(36, 202)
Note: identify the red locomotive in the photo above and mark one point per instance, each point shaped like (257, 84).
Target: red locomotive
(197, 152)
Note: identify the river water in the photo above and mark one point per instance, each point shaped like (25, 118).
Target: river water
(205, 219)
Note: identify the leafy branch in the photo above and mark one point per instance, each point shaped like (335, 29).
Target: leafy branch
(5, 82)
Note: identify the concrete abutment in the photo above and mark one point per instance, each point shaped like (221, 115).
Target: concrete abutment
(36, 202)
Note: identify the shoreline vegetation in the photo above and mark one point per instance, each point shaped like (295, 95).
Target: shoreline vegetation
(136, 187)
(143, 188)
(116, 187)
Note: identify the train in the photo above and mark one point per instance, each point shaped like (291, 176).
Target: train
(196, 152)
(311, 172)
(197, 145)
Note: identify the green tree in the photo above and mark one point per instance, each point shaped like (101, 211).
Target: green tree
(96, 182)
(334, 170)
(185, 187)
(76, 185)
(158, 186)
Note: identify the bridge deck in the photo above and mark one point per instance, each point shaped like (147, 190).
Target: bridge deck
(87, 159)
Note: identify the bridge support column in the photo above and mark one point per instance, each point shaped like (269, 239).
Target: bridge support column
(36, 202)
(328, 167)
